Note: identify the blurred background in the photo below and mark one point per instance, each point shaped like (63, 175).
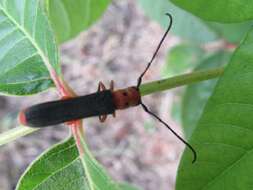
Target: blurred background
(133, 146)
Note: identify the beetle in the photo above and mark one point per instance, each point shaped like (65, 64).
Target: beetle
(101, 103)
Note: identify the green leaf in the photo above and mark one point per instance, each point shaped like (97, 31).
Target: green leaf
(181, 58)
(69, 18)
(27, 48)
(233, 33)
(223, 138)
(196, 95)
(184, 24)
(61, 167)
(228, 11)
(53, 161)
(191, 27)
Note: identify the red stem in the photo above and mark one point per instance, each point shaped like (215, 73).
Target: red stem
(64, 92)
(75, 126)
(60, 85)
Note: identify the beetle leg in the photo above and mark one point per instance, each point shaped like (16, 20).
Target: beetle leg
(102, 118)
(101, 87)
(112, 85)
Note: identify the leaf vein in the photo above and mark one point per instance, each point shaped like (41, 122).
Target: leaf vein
(13, 46)
(224, 144)
(40, 51)
(229, 125)
(35, 20)
(227, 169)
(8, 34)
(56, 171)
(30, 81)
(18, 64)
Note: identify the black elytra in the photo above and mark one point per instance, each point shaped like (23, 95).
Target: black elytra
(60, 111)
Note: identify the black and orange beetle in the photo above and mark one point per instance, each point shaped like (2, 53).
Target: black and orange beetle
(103, 102)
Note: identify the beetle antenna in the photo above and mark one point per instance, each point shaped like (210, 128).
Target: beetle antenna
(146, 108)
(177, 135)
(156, 51)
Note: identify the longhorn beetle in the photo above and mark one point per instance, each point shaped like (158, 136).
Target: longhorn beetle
(100, 104)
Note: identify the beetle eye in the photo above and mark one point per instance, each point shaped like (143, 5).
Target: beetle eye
(125, 93)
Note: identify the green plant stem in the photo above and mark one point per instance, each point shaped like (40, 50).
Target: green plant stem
(15, 133)
(185, 79)
(145, 89)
